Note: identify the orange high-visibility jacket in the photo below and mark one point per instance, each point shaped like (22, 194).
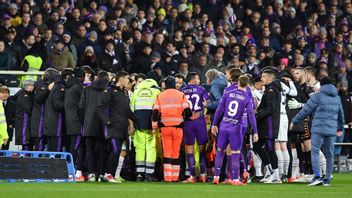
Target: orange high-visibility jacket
(171, 103)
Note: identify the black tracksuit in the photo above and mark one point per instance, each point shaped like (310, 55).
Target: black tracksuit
(53, 117)
(24, 105)
(268, 119)
(41, 93)
(93, 130)
(74, 125)
(115, 111)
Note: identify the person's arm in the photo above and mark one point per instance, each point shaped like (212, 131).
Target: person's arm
(41, 94)
(341, 119)
(71, 62)
(272, 102)
(308, 109)
(217, 94)
(82, 106)
(25, 65)
(156, 113)
(219, 111)
(251, 116)
(103, 107)
(58, 99)
(27, 103)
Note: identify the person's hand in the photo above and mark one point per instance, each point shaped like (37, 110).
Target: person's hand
(255, 137)
(315, 89)
(51, 85)
(154, 125)
(294, 104)
(214, 130)
(6, 141)
(291, 126)
(195, 115)
(339, 133)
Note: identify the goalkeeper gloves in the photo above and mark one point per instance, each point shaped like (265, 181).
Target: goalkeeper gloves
(294, 104)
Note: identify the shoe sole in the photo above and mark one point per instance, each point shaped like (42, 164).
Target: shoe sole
(315, 184)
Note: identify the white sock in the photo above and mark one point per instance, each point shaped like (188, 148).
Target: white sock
(78, 173)
(286, 158)
(276, 175)
(267, 171)
(257, 165)
(322, 163)
(119, 166)
(280, 160)
(295, 164)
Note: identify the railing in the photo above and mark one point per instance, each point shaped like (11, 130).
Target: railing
(15, 72)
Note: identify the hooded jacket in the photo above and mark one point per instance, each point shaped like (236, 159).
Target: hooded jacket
(88, 105)
(72, 97)
(61, 59)
(326, 108)
(24, 105)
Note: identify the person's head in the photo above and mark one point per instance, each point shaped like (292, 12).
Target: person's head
(59, 44)
(170, 82)
(122, 79)
(140, 78)
(109, 45)
(4, 93)
(300, 75)
(235, 73)
(211, 75)
(93, 36)
(268, 76)
(218, 58)
(81, 31)
(170, 47)
(147, 49)
(227, 72)
(183, 67)
(193, 78)
(283, 64)
(28, 85)
(202, 60)
(298, 60)
(178, 81)
(310, 73)
(243, 81)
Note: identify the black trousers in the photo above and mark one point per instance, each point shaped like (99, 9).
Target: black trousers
(96, 154)
(54, 143)
(114, 150)
(265, 148)
(77, 149)
(38, 144)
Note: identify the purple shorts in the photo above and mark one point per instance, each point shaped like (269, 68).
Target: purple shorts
(233, 137)
(196, 129)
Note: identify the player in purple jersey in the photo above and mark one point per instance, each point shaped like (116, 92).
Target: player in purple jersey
(233, 75)
(230, 111)
(195, 129)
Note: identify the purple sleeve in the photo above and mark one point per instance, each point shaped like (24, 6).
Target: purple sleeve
(205, 95)
(251, 116)
(219, 111)
(249, 91)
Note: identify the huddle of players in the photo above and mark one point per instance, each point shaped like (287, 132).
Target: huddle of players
(85, 110)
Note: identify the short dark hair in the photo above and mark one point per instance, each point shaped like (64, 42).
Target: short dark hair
(103, 75)
(179, 76)
(121, 74)
(235, 74)
(191, 76)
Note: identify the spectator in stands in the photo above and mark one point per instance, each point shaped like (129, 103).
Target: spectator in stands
(201, 68)
(5, 57)
(60, 57)
(109, 61)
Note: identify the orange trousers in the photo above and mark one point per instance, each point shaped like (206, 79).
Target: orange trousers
(172, 139)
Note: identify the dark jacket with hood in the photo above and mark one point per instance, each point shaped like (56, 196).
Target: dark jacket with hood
(73, 94)
(114, 110)
(41, 93)
(54, 110)
(268, 112)
(24, 105)
(88, 105)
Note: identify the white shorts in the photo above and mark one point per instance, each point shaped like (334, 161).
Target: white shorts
(283, 128)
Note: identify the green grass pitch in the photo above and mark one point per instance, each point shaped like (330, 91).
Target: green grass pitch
(341, 188)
